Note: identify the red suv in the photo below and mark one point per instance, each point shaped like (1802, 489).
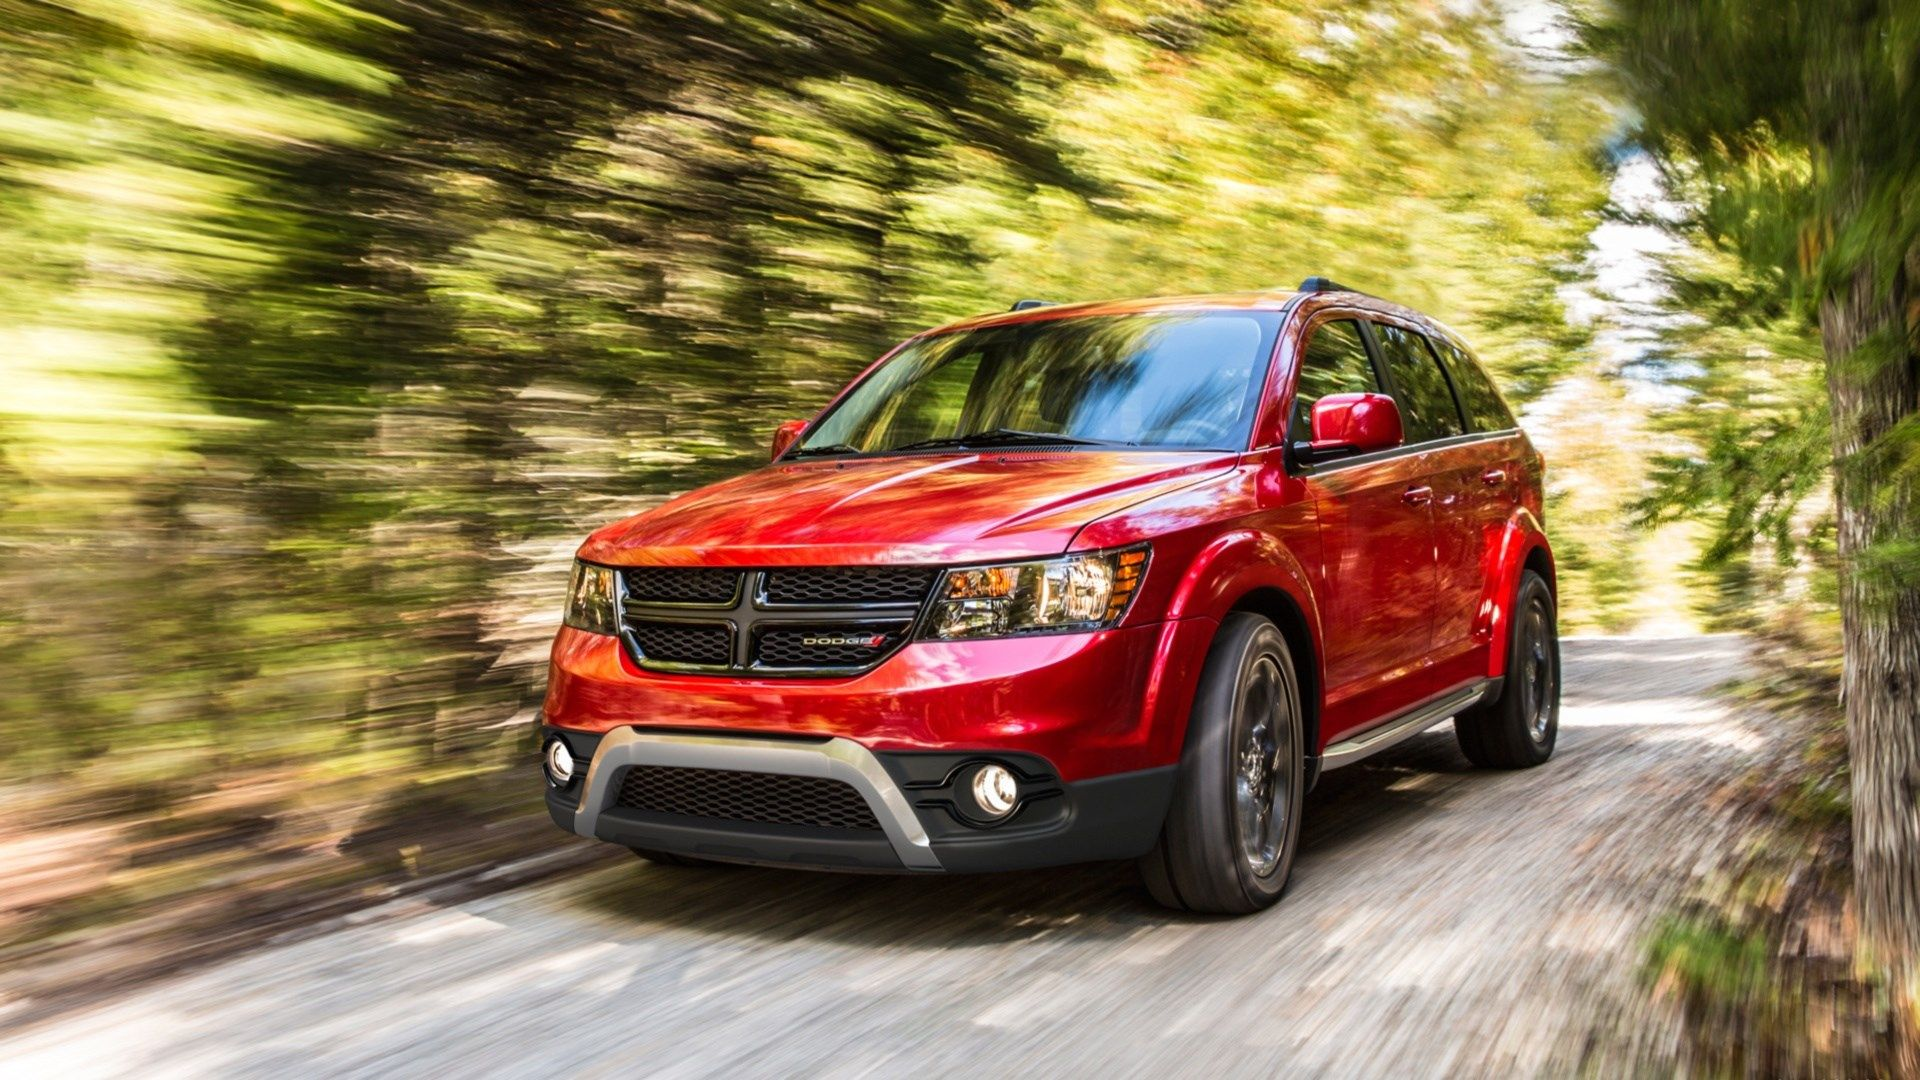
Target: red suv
(1070, 583)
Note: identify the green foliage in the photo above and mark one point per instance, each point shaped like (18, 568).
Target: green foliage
(1793, 128)
(1711, 958)
(1754, 434)
(331, 325)
(1801, 173)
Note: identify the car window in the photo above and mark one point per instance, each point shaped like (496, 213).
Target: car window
(1172, 381)
(1334, 362)
(1427, 408)
(1175, 379)
(934, 404)
(1485, 409)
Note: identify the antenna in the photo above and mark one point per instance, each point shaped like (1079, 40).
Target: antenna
(1028, 305)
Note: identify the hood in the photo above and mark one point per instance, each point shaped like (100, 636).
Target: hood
(949, 508)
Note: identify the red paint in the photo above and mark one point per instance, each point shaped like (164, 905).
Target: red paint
(1401, 568)
(1357, 423)
(923, 508)
(783, 437)
(1090, 703)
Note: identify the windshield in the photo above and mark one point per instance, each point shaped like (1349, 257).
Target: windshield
(1178, 380)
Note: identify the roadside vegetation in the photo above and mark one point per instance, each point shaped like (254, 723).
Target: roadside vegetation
(1762, 953)
(330, 327)
(1787, 135)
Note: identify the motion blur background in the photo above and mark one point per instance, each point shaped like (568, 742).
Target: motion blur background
(330, 326)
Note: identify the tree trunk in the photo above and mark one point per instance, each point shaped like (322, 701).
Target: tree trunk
(1873, 381)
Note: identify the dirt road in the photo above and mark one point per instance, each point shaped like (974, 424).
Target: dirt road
(1442, 921)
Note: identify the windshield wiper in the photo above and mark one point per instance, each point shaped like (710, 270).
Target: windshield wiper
(1006, 437)
(813, 451)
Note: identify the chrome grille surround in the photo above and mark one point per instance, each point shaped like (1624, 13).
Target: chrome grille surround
(841, 759)
(783, 622)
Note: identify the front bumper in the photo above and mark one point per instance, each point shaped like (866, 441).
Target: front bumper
(1090, 705)
(910, 794)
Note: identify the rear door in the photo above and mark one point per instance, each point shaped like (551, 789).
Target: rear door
(1494, 476)
(1376, 533)
(1454, 462)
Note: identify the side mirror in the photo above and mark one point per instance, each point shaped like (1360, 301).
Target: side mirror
(784, 435)
(1354, 424)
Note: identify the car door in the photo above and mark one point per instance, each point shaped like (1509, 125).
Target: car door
(1451, 464)
(1493, 485)
(1376, 534)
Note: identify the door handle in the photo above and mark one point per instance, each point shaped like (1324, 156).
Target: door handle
(1494, 477)
(1419, 495)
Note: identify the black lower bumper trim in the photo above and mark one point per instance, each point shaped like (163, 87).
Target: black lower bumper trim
(1109, 817)
(1105, 818)
(777, 845)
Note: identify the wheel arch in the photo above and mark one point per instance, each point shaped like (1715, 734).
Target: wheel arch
(1284, 611)
(1255, 572)
(1522, 546)
(1540, 561)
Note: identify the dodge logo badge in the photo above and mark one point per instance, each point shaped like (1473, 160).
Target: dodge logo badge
(870, 641)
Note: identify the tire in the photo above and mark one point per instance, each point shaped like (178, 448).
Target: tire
(668, 858)
(1244, 752)
(1517, 730)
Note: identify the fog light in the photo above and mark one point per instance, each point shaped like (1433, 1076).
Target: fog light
(994, 791)
(559, 763)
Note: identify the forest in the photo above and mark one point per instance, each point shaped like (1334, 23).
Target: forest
(332, 325)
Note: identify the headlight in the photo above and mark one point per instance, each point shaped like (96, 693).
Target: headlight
(591, 601)
(1079, 592)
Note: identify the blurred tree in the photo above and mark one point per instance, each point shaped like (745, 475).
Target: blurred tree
(332, 325)
(1758, 452)
(1803, 122)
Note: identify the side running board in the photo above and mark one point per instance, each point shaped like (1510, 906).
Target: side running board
(1405, 726)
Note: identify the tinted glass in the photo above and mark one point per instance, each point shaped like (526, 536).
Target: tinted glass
(1485, 409)
(1427, 409)
(1335, 363)
(1151, 380)
(935, 404)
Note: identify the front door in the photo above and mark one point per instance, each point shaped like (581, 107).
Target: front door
(1376, 535)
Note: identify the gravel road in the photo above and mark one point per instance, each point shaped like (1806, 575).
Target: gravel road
(1442, 922)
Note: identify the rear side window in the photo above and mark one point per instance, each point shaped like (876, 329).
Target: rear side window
(1427, 409)
(1485, 409)
(1335, 362)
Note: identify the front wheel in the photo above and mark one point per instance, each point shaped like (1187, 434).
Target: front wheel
(1228, 843)
(1517, 730)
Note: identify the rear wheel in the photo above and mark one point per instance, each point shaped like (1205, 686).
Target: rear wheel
(1517, 730)
(1228, 843)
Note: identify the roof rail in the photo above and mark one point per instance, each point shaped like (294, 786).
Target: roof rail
(1027, 305)
(1317, 283)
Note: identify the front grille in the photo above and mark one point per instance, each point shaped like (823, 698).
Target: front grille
(728, 795)
(822, 647)
(851, 585)
(788, 621)
(682, 643)
(681, 584)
